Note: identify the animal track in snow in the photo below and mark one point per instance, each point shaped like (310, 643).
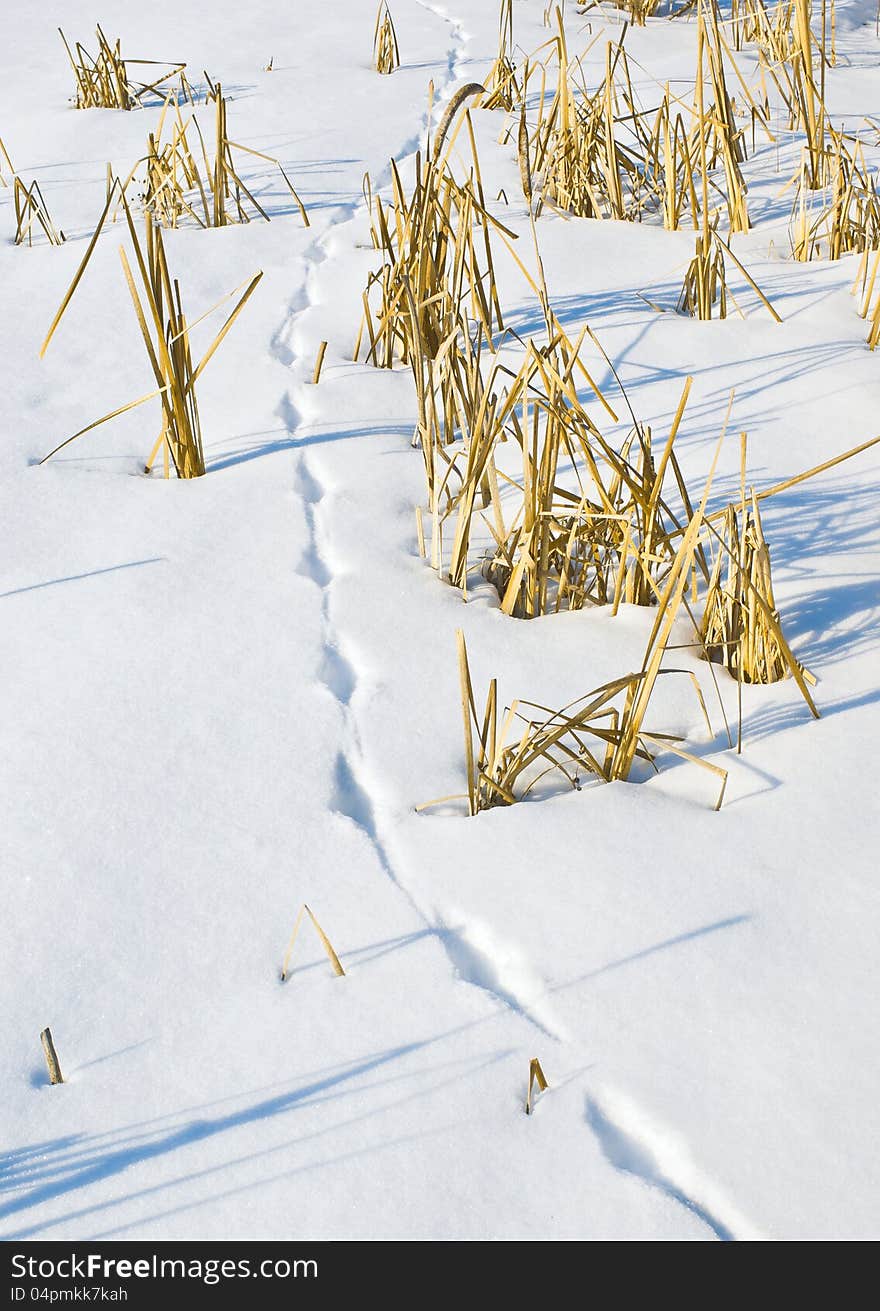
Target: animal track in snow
(632, 1144)
(455, 53)
(482, 958)
(476, 954)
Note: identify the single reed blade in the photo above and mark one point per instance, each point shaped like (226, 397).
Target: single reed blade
(536, 1078)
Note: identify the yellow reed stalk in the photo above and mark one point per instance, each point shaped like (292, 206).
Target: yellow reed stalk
(53, 1065)
(4, 155)
(872, 314)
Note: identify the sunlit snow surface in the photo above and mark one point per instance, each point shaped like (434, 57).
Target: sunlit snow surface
(222, 698)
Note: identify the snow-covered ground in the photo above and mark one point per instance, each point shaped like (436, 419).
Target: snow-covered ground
(223, 698)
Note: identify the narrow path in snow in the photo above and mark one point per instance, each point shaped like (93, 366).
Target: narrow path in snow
(455, 53)
(481, 962)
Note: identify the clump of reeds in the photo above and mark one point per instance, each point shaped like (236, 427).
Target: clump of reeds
(705, 293)
(104, 81)
(386, 52)
(846, 217)
(741, 627)
(563, 548)
(465, 413)
(718, 139)
(213, 195)
(795, 61)
(582, 165)
(639, 11)
(437, 256)
(600, 154)
(774, 30)
(30, 212)
(508, 752)
(585, 524)
(166, 334)
(503, 90)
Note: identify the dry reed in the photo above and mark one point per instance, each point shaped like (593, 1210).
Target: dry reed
(104, 81)
(213, 195)
(166, 335)
(438, 264)
(705, 292)
(386, 52)
(536, 1079)
(503, 90)
(867, 276)
(842, 217)
(325, 943)
(31, 212)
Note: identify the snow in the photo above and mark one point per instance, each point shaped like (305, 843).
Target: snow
(224, 698)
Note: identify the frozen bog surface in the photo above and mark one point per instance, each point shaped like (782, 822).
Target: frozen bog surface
(225, 697)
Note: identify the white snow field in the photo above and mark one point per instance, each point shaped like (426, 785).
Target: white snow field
(224, 697)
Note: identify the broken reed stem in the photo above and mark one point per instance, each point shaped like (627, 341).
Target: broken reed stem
(30, 207)
(319, 363)
(325, 943)
(536, 1076)
(52, 1062)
